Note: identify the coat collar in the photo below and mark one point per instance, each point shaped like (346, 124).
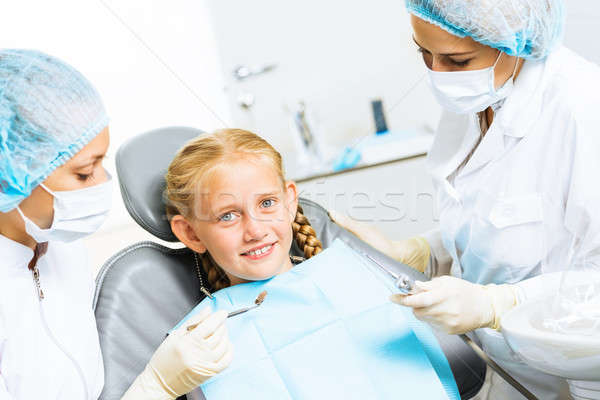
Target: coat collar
(14, 254)
(522, 108)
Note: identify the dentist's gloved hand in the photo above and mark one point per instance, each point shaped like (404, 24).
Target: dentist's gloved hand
(458, 306)
(413, 252)
(185, 359)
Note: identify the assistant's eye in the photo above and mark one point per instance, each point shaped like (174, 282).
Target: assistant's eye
(268, 203)
(84, 177)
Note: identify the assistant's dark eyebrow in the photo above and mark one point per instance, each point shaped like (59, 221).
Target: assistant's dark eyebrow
(90, 161)
(445, 54)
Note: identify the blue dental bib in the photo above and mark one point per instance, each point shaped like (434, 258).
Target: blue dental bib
(327, 330)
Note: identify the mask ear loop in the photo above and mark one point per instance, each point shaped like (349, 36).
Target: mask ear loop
(512, 77)
(50, 192)
(497, 59)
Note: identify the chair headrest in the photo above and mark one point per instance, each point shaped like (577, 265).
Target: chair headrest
(141, 164)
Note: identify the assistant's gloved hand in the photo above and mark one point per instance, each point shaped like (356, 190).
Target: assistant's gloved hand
(458, 306)
(185, 359)
(413, 252)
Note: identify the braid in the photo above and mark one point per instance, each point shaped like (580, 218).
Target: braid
(305, 235)
(217, 279)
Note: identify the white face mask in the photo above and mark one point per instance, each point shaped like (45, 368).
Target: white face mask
(77, 213)
(466, 92)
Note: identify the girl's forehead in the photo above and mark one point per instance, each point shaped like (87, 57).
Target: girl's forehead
(241, 178)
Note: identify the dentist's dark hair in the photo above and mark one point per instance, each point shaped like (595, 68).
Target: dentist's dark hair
(194, 163)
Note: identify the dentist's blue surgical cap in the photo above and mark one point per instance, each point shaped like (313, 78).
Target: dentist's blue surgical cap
(48, 112)
(523, 28)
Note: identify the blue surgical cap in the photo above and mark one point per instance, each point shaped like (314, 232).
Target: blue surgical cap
(48, 112)
(522, 28)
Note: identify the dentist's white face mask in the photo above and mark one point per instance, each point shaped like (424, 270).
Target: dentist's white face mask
(467, 92)
(77, 213)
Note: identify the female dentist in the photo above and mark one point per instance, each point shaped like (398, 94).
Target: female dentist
(515, 163)
(53, 192)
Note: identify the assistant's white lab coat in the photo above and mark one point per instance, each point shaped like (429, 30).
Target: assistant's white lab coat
(533, 179)
(31, 365)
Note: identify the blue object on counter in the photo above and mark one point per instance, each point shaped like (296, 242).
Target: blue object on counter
(349, 157)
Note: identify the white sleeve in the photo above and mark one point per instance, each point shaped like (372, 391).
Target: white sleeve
(582, 213)
(582, 198)
(440, 260)
(4, 395)
(539, 286)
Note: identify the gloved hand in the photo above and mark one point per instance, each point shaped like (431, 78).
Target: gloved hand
(458, 306)
(413, 252)
(185, 359)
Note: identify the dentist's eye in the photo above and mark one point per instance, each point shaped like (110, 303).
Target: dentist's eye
(460, 63)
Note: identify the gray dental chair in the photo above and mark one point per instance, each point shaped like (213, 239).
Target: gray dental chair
(145, 289)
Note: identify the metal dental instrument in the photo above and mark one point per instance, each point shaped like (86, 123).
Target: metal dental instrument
(259, 300)
(403, 282)
(499, 370)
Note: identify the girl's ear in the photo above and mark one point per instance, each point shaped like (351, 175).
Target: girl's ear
(291, 195)
(186, 234)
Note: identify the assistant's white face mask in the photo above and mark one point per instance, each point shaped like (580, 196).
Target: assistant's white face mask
(77, 213)
(467, 92)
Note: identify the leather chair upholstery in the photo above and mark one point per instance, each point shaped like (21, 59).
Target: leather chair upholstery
(145, 289)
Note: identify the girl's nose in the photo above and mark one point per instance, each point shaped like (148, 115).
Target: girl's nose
(254, 229)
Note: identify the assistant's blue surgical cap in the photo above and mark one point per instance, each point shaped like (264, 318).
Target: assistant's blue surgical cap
(523, 28)
(48, 112)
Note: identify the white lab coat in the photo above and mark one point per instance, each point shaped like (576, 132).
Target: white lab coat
(31, 365)
(528, 183)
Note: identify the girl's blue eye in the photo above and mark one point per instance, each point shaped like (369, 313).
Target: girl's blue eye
(227, 217)
(268, 203)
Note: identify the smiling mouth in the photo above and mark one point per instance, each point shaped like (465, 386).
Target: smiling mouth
(257, 253)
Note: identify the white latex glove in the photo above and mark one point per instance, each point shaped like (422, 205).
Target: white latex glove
(413, 252)
(185, 359)
(458, 306)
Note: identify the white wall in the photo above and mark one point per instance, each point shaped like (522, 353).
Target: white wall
(336, 56)
(582, 28)
(154, 62)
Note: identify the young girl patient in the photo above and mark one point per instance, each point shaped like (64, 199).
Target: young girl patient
(229, 202)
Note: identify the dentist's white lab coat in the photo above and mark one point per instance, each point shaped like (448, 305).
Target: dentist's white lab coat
(533, 178)
(32, 367)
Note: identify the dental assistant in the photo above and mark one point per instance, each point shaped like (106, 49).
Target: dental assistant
(54, 192)
(516, 166)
